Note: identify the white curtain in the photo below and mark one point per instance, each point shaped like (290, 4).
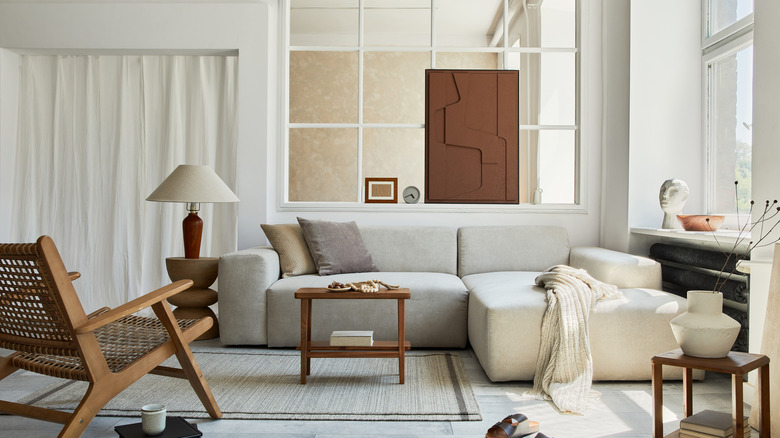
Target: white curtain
(96, 135)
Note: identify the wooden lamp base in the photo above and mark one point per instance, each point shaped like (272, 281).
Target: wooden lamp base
(192, 229)
(194, 302)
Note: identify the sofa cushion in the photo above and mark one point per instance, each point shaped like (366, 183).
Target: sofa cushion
(336, 247)
(618, 268)
(511, 248)
(413, 248)
(288, 241)
(435, 313)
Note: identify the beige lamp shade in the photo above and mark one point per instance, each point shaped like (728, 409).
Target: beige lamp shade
(193, 183)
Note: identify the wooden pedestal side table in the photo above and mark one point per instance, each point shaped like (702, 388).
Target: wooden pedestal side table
(194, 302)
(737, 364)
(311, 348)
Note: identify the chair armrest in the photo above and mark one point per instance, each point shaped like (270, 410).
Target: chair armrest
(134, 306)
(618, 268)
(244, 277)
(74, 275)
(98, 312)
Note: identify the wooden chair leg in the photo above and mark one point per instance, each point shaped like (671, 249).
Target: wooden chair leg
(187, 360)
(198, 382)
(93, 401)
(6, 369)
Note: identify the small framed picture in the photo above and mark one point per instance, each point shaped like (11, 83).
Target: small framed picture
(382, 190)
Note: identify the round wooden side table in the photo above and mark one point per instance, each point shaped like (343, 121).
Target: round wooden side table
(194, 302)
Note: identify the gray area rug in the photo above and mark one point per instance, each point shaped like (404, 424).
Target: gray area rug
(263, 384)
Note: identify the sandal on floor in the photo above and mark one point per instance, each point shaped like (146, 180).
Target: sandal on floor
(512, 426)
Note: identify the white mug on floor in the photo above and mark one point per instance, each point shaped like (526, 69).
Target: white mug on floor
(153, 419)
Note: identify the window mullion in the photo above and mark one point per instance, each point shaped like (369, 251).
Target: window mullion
(433, 33)
(709, 136)
(361, 52)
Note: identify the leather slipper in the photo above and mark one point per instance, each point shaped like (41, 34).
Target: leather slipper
(512, 426)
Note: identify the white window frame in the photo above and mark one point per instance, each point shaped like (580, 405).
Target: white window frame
(724, 43)
(579, 205)
(723, 34)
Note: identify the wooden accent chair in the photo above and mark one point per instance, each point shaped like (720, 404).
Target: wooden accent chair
(41, 318)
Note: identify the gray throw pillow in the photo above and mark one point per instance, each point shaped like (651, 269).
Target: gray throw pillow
(336, 247)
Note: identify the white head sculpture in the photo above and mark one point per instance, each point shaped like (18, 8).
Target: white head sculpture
(674, 194)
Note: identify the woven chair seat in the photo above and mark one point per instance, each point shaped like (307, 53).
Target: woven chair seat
(123, 342)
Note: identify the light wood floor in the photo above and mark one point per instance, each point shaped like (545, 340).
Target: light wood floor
(624, 410)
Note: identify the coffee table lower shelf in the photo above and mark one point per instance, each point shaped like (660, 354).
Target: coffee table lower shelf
(379, 349)
(676, 434)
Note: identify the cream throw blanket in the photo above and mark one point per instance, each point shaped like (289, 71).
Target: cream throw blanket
(564, 369)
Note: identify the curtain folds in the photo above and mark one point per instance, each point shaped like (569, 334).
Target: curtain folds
(96, 135)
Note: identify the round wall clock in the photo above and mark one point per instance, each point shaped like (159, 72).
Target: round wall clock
(411, 195)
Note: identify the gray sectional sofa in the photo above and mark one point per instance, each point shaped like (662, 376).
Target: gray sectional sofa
(472, 285)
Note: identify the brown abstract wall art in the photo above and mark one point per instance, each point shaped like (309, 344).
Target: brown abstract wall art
(471, 138)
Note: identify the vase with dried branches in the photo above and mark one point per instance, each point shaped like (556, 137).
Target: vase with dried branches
(764, 226)
(704, 330)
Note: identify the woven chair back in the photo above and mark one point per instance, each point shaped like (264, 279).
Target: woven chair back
(32, 317)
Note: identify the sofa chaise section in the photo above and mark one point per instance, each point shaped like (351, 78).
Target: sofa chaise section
(506, 307)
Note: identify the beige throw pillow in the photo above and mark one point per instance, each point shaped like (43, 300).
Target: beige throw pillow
(294, 255)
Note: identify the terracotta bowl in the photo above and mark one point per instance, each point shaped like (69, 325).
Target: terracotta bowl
(700, 222)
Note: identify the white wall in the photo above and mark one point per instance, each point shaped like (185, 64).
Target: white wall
(766, 151)
(9, 92)
(766, 116)
(164, 28)
(616, 54)
(665, 108)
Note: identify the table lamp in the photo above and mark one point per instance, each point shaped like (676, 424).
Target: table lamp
(192, 184)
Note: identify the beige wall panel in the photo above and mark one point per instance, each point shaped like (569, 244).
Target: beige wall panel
(323, 165)
(394, 87)
(323, 87)
(465, 60)
(395, 153)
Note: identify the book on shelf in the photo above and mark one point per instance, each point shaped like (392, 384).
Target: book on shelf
(692, 434)
(350, 338)
(711, 423)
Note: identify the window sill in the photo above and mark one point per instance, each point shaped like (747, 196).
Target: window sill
(726, 239)
(431, 208)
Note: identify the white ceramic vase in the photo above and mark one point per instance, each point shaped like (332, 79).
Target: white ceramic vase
(704, 330)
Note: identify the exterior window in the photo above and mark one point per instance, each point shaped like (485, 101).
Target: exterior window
(723, 14)
(356, 89)
(727, 58)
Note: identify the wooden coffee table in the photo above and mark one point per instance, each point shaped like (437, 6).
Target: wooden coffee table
(311, 348)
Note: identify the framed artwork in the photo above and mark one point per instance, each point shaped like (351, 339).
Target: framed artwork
(471, 136)
(381, 190)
